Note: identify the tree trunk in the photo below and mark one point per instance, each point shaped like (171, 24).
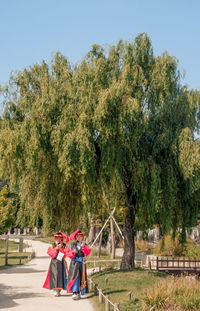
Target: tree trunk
(129, 243)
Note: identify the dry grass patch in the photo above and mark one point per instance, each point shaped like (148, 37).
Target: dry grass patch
(173, 294)
(141, 245)
(172, 247)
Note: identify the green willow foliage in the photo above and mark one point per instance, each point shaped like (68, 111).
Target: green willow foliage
(34, 101)
(118, 124)
(8, 209)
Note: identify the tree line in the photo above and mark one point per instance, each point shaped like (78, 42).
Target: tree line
(117, 130)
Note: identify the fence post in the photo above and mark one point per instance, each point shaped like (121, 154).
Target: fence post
(20, 245)
(95, 289)
(157, 263)
(129, 294)
(107, 304)
(116, 306)
(6, 251)
(100, 296)
(91, 284)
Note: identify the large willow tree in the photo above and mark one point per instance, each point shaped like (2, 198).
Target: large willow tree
(117, 127)
(133, 132)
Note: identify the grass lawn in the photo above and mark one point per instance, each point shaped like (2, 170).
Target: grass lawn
(13, 259)
(12, 245)
(121, 282)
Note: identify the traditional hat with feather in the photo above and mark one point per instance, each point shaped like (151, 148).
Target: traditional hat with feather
(75, 234)
(61, 235)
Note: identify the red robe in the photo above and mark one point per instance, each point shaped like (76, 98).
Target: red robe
(53, 252)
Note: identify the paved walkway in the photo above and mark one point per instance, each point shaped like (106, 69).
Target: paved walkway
(21, 287)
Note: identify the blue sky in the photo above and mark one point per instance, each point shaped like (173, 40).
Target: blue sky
(32, 30)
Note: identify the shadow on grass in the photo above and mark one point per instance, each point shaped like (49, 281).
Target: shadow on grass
(159, 274)
(109, 292)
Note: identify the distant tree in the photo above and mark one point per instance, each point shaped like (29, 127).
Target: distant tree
(8, 209)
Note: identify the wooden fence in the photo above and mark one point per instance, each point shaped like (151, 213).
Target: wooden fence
(20, 249)
(98, 291)
(97, 263)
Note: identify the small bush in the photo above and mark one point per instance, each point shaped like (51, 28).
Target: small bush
(157, 296)
(192, 251)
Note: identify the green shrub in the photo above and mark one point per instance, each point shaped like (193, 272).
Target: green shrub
(192, 251)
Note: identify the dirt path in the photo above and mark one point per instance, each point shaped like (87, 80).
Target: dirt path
(21, 287)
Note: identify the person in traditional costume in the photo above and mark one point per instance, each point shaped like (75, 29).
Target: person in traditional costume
(56, 279)
(77, 276)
